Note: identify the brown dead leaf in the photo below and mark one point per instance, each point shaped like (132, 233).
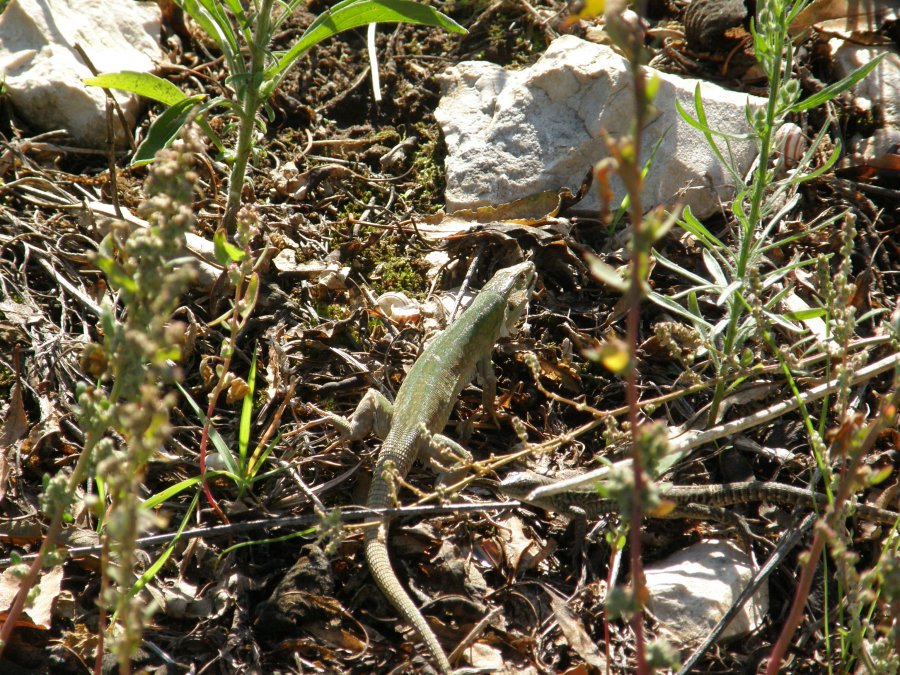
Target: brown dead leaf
(20, 533)
(521, 552)
(39, 612)
(16, 423)
(574, 631)
(561, 373)
(182, 600)
(486, 658)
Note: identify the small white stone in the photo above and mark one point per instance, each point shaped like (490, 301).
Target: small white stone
(691, 590)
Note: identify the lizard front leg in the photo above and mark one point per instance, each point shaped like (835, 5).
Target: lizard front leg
(488, 379)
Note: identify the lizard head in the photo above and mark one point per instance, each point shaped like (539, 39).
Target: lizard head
(520, 484)
(515, 284)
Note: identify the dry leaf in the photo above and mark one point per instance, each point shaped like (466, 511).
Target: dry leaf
(574, 632)
(39, 613)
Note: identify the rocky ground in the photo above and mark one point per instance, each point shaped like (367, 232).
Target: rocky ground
(340, 226)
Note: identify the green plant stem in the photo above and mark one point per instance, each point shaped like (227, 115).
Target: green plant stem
(247, 87)
(748, 223)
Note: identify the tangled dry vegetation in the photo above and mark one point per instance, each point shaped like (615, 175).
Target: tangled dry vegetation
(278, 323)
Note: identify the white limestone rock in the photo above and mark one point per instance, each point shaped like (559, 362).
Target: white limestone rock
(690, 591)
(514, 134)
(43, 72)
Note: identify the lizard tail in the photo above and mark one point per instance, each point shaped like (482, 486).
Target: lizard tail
(380, 566)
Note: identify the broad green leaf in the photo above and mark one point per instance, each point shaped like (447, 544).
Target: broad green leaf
(351, 14)
(156, 89)
(115, 274)
(143, 84)
(165, 128)
(226, 252)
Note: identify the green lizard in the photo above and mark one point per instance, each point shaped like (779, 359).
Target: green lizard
(423, 405)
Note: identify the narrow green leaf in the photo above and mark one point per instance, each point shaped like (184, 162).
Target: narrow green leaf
(203, 19)
(713, 268)
(784, 323)
(675, 267)
(351, 14)
(215, 23)
(675, 308)
(690, 223)
(837, 88)
(805, 314)
(729, 290)
(605, 274)
(247, 414)
(171, 491)
(825, 167)
(158, 564)
(222, 449)
(246, 306)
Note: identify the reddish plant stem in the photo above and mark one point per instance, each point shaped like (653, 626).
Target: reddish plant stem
(631, 175)
(235, 324)
(823, 530)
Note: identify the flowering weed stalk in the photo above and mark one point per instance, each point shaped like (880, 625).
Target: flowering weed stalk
(124, 413)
